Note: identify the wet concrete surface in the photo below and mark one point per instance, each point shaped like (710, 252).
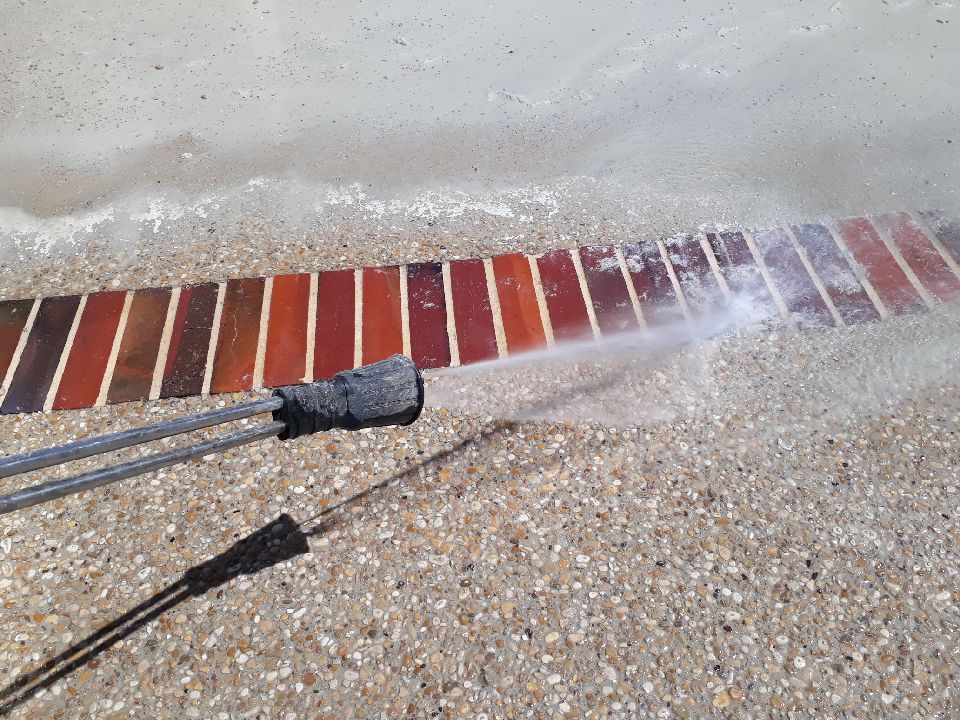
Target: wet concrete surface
(770, 529)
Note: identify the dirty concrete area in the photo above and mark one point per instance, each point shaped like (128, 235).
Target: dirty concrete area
(154, 145)
(765, 553)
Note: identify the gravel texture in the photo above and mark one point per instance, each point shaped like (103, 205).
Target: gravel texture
(757, 554)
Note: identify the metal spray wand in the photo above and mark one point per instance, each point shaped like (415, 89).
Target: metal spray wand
(389, 392)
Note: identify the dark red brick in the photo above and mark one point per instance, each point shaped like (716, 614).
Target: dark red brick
(791, 278)
(41, 355)
(743, 276)
(651, 281)
(190, 341)
(476, 338)
(13, 318)
(608, 290)
(697, 281)
(840, 282)
(429, 343)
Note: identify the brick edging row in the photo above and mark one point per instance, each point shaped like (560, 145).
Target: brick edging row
(108, 347)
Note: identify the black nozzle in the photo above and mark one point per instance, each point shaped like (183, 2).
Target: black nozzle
(389, 392)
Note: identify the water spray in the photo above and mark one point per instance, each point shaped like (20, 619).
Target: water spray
(386, 393)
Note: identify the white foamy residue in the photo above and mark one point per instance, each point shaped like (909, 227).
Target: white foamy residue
(172, 216)
(26, 233)
(521, 203)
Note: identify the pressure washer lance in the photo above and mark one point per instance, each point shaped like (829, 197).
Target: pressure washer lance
(389, 392)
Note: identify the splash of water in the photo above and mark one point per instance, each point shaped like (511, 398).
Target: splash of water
(622, 379)
(729, 364)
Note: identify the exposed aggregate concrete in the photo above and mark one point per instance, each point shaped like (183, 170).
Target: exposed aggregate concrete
(760, 561)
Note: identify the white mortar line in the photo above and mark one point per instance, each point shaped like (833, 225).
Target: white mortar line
(858, 269)
(665, 256)
(311, 328)
(768, 279)
(631, 290)
(161, 363)
(358, 317)
(451, 320)
(887, 240)
(114, 351)
(715, 266)
(214, 339)
(585, 291)
(935, 241)
(541, 300)
(817, 282)
(262, 334)
(495, 309)
(21, 344)
(405, 312)
(64, 355)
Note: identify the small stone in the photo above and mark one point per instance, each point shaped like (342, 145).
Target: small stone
(552, 637)
(721, 700)
(554, 679)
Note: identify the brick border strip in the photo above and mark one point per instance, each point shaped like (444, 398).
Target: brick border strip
(82, 351)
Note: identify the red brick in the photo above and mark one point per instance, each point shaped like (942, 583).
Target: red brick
(651, 281)
(946, 229)
(476, 338)
(522, 326)
(333, 349)
(922, 257)
(285, 361)
(840, 282)
(137, 358)
(608, 290)
(13, 318)
(886, 276)
(561, 289)
(742, 274)
(41, 355)
(235, 358)
(697, 281)
(429, 343)
(382, 333)
(791, 278)
(190, 341)
(90, 351)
